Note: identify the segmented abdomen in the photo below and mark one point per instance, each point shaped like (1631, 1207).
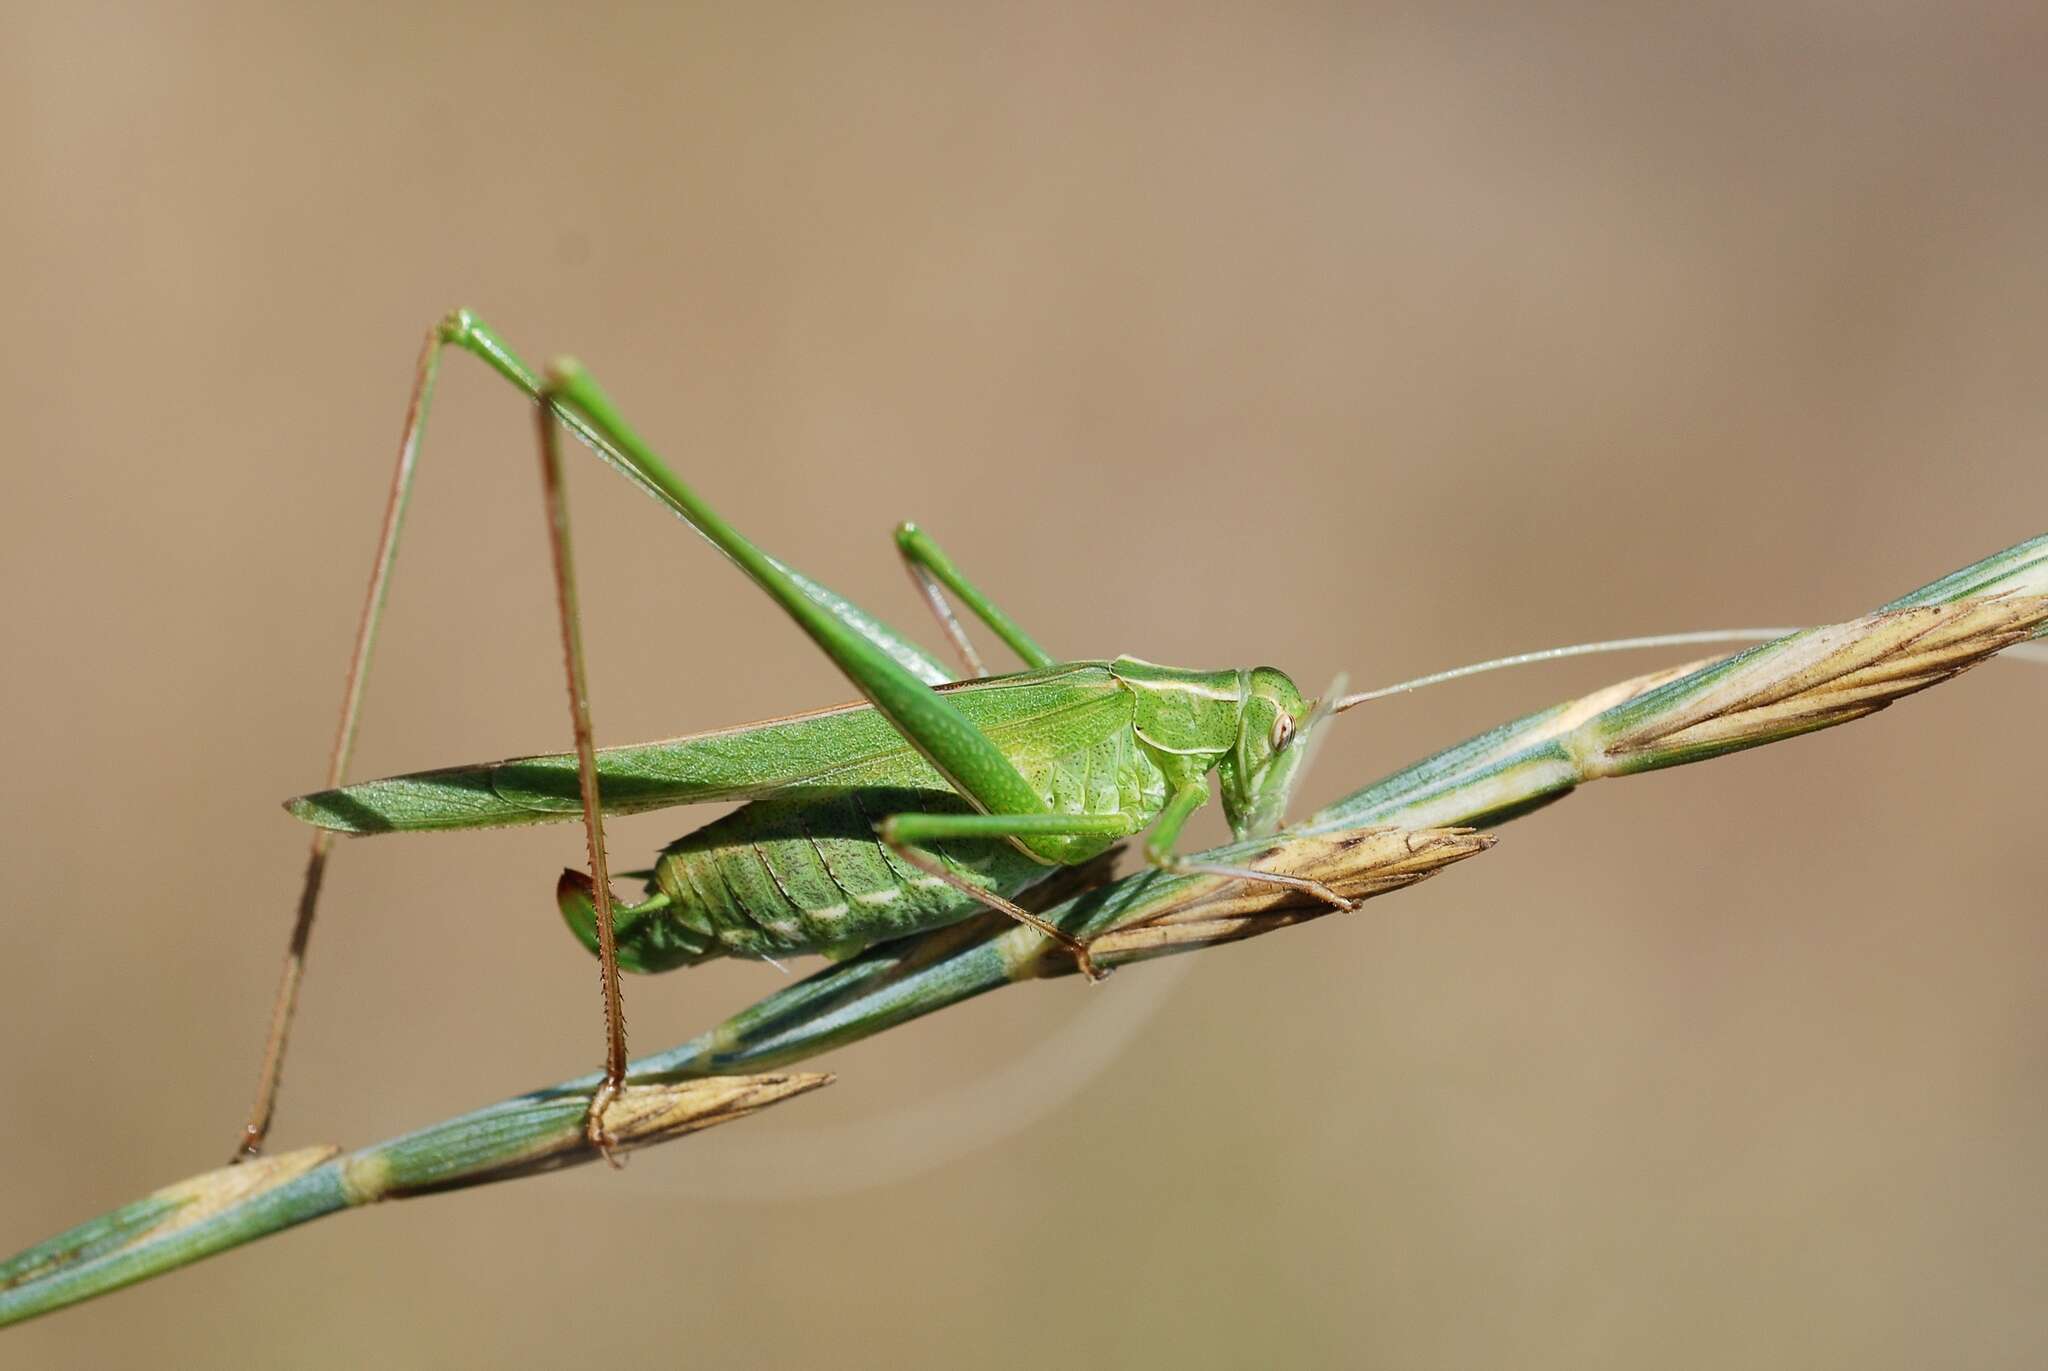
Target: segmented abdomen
(806, 873)
(789, 876)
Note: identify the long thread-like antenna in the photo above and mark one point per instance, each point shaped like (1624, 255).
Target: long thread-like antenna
(2025, 652)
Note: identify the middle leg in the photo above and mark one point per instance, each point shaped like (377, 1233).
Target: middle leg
(1159, 851)
(902, 834)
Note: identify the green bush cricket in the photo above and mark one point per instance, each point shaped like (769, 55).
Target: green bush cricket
(930, 800)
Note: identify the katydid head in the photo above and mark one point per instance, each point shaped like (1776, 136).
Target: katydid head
(1258, 774)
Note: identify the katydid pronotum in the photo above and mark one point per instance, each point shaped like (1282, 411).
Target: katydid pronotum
(932, 799)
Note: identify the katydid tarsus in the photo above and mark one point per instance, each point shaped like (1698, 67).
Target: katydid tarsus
(929, 800)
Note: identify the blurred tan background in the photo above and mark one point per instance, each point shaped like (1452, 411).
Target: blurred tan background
(1373, 338)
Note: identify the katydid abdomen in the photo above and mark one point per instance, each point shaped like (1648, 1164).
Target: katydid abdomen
(807, 873)
(779, 878)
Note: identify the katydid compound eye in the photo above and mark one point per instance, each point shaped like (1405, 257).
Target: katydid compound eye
(1283, 729)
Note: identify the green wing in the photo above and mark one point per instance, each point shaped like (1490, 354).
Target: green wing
(1034, 713)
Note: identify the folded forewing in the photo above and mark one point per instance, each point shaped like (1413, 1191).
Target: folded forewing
(848, 745)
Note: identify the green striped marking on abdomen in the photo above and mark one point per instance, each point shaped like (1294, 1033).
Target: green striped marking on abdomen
(804, 872)
(788, 876)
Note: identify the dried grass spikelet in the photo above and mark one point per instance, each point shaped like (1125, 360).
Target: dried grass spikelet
(1357, 864)
(1814, 680)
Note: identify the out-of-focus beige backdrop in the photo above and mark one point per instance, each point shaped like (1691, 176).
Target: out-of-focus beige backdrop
(1361, 337)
